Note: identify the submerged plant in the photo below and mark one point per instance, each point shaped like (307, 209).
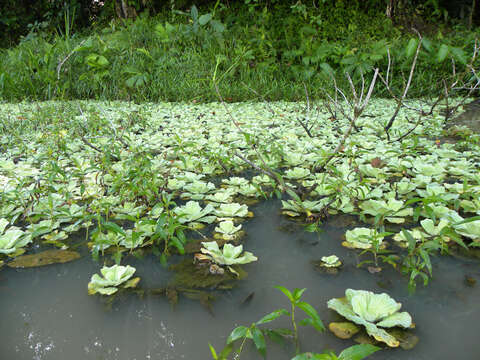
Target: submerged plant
(112, 278)
(374, 311)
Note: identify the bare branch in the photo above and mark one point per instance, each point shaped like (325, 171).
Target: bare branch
(60, 64)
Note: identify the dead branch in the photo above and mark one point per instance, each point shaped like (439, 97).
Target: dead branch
(400, 102)
(358, 107)
(60, 64)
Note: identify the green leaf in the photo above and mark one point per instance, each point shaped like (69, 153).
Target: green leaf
(426, 260)
(297, 293)
(204, 19)
(312, 313)
(358, 352)
(237, 333)
(178, 244)
(458, 54)
(411, 241)
(442, 53)
(194, 13)
(225, 352)
(212, 350)
(427, 44)
(287, 292)
(272, 316)
(259, 341)
(411, 48)
(113, 227)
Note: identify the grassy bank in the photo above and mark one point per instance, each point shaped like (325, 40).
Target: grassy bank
(250, 55)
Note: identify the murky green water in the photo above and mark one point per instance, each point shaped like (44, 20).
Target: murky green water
(47, 314)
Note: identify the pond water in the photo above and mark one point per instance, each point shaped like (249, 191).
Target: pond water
(47, 314)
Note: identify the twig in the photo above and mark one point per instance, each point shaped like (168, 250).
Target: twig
(400, 102)
(409, 131)
(358, 109)
(60, 64)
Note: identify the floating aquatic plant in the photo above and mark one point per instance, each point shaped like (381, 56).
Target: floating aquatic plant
(469, 229)
(232, 210)
(13, 239)
(374, 312)
(111, 279)
(361, 238)
(227, 230)
(393, 210)
(297, 173)
(193, 213)
(331, 261)
(307, 207)
(229, 255)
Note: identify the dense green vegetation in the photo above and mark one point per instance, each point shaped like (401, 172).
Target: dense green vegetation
(250, 49)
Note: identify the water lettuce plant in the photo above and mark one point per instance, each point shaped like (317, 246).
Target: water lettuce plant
(231, 210)
(362, 238)
(331, 261)
(227, 230)
(374, 311)
(111, 279)
(229, 255)
(13, 239)
(392, 210)
(193, 213)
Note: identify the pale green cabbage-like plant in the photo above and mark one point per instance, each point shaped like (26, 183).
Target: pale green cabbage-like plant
(12, 239)
(392, 209)
(112, 277)
(232, 210)
(374, 311)
(469, 229)
(331, 261)
(361, 238)
(307, 207)
(228, 230)
(229, 255)
(297, 173)
(192, 212)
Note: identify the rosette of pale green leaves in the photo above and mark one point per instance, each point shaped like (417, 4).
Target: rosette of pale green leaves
(228, 230)
(229, 255)
(192, 212)
(361, 238)
(306, 207)
(235, 181)
(13, 239)
(331, 261)
(297, 173)
(197, 190)
(469, 229)
(392, 209)
(112, 277)
(232, 210)
(374, 311)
